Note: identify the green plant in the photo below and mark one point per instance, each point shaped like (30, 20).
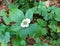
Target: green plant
(34, 22)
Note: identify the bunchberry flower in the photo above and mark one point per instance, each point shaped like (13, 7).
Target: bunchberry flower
(25, 22)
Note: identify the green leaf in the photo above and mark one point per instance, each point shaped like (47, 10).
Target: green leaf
(58, 29)
(16, 15)
(37, 40)
(16, 42)
(49, 9)
(42, 3)
(57, 12)
(3, 44)
(6, 20)
(2, 12)
(46, 17)
(16, 27)
(12, 6)
(4, 39)
(39, 9)
(58, 42)
(53, 25)
(2, 27)
(45, 44)
(25, 8)
(22, 1)
(35, 3)
(44, 11)
(29, 14)
(50, 16)
(23, 43)
(53, 41)
(43, 31)
(36, 11)
(30, 30)
(41, 22)
(38, 32)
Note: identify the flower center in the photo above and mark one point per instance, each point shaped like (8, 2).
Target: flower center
(25, 22)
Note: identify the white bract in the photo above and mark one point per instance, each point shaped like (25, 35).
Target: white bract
(25, 22)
